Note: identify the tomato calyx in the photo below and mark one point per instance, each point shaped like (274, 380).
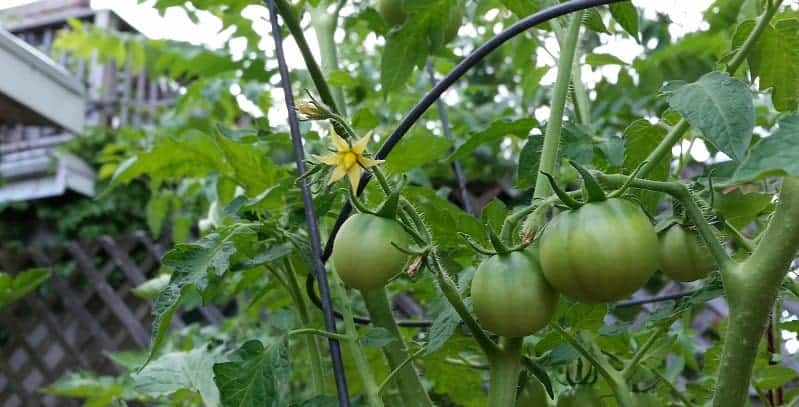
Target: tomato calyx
(498, 246)
(592, 191)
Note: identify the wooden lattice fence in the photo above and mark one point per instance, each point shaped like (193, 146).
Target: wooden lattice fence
(87, 308)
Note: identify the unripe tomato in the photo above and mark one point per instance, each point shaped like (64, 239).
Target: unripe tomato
(362, 252)
(533, 394)
(392, 11)
(510, 295)
(683, 255)
(580, 396)
(600, 252)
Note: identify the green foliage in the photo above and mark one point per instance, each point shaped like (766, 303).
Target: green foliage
(12, 288)
(229, 193)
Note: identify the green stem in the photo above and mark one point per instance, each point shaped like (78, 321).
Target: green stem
(612, 376)
(663, 149)
(317, 374)
(450, 290)
(549, 151)
(750, 41)
(320, 332)
(504, 373)
(751, 291)
(641, 352)
(324, 24)
(368, 382)
(674, 390)
(739, 238)
(318, 78)
(580, 96)
(408, 382)
(402, 365)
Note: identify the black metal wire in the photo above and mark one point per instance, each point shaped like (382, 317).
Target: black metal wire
(431, 97)
(457, 169)
(310, 213)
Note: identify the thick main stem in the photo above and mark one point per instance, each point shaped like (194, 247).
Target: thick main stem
(751, 290)
(408, 382)
(505, 367)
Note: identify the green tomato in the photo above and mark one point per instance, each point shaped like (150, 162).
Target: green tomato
(362, 252)
(533, 394)
(393, 11)
(603, 251)
(510, 295)
(580, 396)
(683, 255)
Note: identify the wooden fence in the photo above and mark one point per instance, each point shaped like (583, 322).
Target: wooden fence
(86, 309)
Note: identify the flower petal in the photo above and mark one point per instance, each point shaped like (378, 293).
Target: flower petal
(368, 162)
(360, 146)
(341, 145)
(355, 176)
(337, 174)
(329, 159)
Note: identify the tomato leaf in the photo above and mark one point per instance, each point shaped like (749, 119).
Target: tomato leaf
(773, 155)
(180, 370)
(256, 377)
(640, 138)
(418, 148)
(493, 134)
(721, 107)
(529, 161)
(775, 60)
(627, 16)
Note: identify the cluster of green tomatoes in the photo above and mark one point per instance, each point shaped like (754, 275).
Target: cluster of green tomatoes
(597, 251)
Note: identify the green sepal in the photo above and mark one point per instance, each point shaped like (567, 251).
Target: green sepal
(475, 245)
(562, 195)
(593, 191)
(499, 246)
(357, 204)
(390, 206)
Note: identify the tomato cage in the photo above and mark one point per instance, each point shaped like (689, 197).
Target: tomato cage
(320, 254)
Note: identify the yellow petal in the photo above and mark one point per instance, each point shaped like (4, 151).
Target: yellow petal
(340, 143)
(360, 146)
(329, 159)
(337, 174)
(355, 176)
(368, 162)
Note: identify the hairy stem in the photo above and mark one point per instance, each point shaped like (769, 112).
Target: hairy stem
(751, 292)
(408, 382)
(450, 290)
(505, 367)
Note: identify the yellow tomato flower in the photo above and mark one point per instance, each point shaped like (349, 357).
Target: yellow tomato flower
(348, 159)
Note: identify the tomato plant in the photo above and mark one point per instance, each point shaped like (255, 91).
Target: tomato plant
(699, 124)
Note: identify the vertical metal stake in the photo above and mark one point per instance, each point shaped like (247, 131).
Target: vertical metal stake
(310, 212)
